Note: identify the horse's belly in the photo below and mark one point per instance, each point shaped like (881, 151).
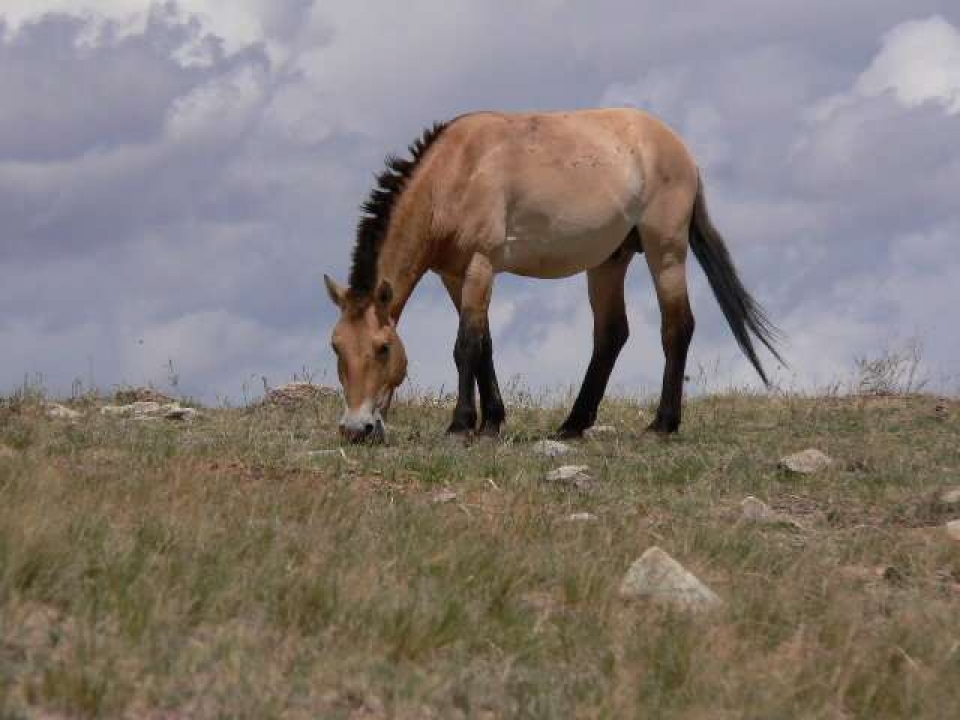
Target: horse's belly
(551, 252)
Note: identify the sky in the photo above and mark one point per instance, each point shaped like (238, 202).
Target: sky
(176, 177)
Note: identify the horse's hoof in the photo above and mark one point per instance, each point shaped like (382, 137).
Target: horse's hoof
(662, 429)
(567, 434)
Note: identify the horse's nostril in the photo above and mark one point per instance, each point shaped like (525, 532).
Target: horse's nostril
(368, 428)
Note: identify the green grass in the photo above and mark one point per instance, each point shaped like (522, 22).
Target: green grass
(213, 569)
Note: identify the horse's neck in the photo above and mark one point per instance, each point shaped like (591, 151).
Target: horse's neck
(404, 259)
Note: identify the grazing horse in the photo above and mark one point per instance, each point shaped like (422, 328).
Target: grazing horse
(544, 195)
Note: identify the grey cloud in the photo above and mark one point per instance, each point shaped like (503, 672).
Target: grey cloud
(193, 207)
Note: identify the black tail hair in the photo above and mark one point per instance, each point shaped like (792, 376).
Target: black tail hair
(743, 313)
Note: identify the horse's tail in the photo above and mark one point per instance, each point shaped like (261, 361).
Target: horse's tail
(743, 313)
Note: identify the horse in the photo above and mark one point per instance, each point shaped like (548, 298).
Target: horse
(542, 195)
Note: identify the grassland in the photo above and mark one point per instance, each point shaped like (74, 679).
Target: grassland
(216, 569)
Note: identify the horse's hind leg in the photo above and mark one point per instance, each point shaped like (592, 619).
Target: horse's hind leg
(666, 258)
(473, 352)
(610, 332)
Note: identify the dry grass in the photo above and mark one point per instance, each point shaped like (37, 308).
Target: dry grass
(214, 570)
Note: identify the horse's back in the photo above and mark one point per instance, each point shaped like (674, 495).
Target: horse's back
(552, 194)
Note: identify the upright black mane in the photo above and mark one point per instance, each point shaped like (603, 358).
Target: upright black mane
(376, 211)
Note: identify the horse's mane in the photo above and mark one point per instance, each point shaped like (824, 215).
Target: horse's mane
(377, 209)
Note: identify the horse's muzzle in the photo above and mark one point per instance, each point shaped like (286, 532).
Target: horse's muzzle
(367, 432)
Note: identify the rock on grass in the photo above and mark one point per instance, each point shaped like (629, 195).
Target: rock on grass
(148, 410)
(953, 529)
(175, 411)
(61, 412)
(657, 577)
(806, 462)
(443, 496)
(950, 497)
(551, 448)
(572, 476)
(753, 510)
(600, 431)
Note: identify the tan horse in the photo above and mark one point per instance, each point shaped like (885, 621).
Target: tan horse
(543, 195)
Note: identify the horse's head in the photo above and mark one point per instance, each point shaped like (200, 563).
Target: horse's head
(371, 360)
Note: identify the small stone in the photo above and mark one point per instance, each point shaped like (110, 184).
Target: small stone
(442, 497)
(756, 511)
(315, 454)
(582, 517)
(60, 412)
(174, 411)
(575, 476)
(567, 472)
(953, 529)
(600, 431)
(137, 409)
(657, 577)
(551, 448)
(806, 462)
(146, 407)
(950, 497)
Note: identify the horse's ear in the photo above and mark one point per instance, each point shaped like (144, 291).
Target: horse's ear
(336, 292)
(384, 294)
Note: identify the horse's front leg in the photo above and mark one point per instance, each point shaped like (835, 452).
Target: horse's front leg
(473, 352)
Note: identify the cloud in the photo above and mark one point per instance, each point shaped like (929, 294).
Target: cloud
(919, 63)
(175, 177)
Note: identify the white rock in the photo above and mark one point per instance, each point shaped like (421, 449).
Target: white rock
(444, 496)
(582, 517)
(806, 462)
(569, 473)
(174, 411)
(950, 497)
(137, 409)
(61, 412)
(953, 529)
(576, 476)
(150, 410)
(314, 454)
(598, 431)
(657, 577)
(145, 408)
(551, 448)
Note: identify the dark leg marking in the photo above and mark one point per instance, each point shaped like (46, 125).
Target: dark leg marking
(491, 403)
(676, 332)
(466, 354)
(610, 333)
(606, 347)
